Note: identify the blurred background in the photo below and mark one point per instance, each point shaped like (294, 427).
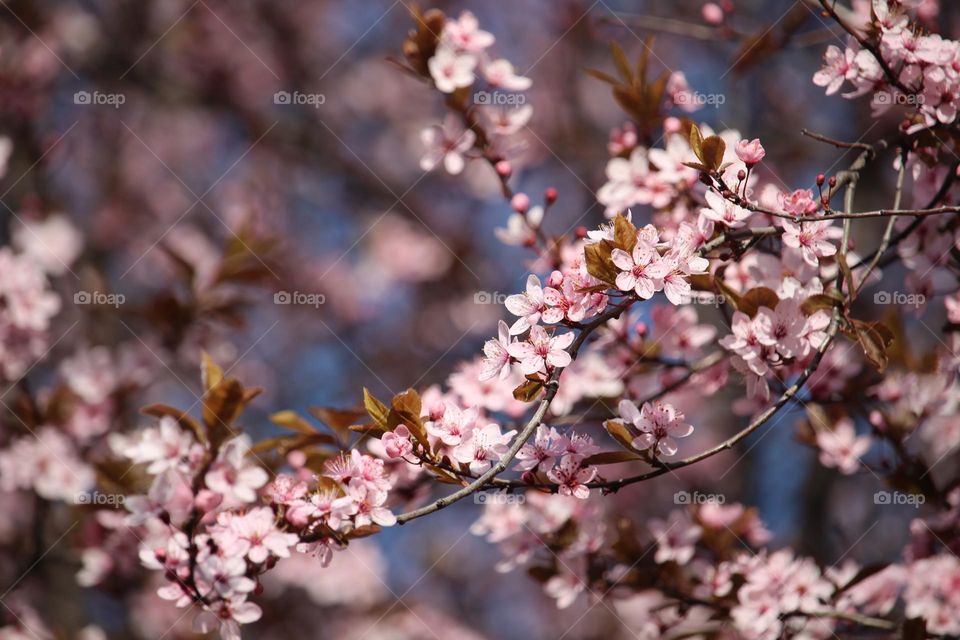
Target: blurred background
(160, 128)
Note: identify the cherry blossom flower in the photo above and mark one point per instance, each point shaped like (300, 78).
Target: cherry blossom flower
(750, 152)
(465, 34)
(497, 360)
(500, 73)
(227, 617)
(839, 66)
(233, 475)
(397, 443)
(722, 210)
(529, 305)
(370, 509)
(455, 426)
(253, 534)
(543, 452)
(841, 448)
(572, 476)
(798, 203)
(541, 351)
(447, 143)
(676, 538)
(52, 243)
(640, 271)
(452, 70)
(659, 424)
(166, 446)
(812, 239)
(486, 445)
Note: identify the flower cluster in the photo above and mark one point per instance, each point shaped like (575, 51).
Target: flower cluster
(773, 338)
(459, 60)
(209, 536)
(28, 305)
(562, 458)
(926, 74)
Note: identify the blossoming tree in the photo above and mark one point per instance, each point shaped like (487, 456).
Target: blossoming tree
(709, 286)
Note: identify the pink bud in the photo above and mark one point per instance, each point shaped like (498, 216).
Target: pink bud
(712, 13)
(550, 195)
(520, 202)
(207, 500)
(750, 152)
(296, 458)
(671, 125)
(555, 279)
(503, 169)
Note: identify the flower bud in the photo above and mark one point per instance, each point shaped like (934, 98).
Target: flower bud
(520, 202)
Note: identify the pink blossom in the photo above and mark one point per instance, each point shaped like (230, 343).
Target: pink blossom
(841, 448)
(572, 476)
(676, 538)
(640, 271)
(529, 305)
(811, 238)
(397, 443)
(447, 143)
(719, 209)
(750, 152)
(455, 426)
(233, 475)
(497, 360)
(542, 351)
(798, 203)
(658, 422)
(500, 73)
(465, 34)
(542, 453)
(486, 445)
(253, 534)
(451, 69)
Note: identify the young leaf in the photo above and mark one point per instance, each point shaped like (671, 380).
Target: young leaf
(293, 421)
(528, 391)
(758, 297)
(713, 149)
(624, 233)
(377, 410)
